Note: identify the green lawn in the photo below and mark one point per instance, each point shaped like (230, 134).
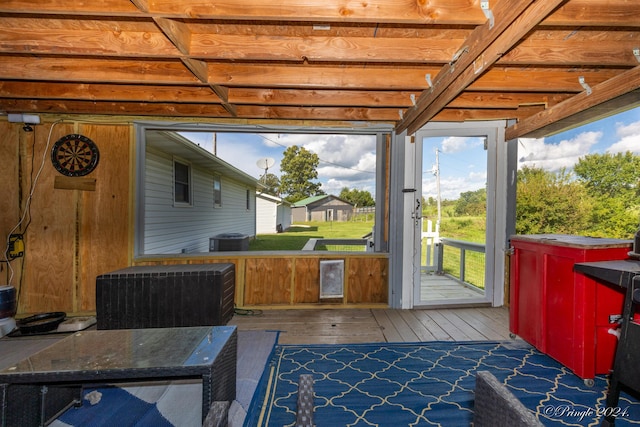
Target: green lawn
(469, 229)
(297, 236)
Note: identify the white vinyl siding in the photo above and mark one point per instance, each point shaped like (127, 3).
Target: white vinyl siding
(266, 216)
(169, 229)
(270, 214)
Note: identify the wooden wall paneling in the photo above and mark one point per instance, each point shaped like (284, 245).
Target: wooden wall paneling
(367, 278)
(104, 213)
(268, 281)
(50, 238)
(306, 281)
(10, 135)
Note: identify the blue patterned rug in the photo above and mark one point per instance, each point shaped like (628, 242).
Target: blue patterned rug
(424, 384)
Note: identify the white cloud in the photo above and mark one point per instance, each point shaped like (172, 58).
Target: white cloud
(450, 188)
(456, 144)
(632, 129)
(536, 153)
(629, 138)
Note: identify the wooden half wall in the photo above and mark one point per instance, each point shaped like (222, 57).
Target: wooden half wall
(292, 279)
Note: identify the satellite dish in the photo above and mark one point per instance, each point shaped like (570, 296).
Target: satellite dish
(265, 163)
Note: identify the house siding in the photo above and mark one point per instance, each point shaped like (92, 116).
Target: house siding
(174, 229)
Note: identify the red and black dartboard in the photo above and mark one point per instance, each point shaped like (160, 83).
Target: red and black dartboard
(75, 155)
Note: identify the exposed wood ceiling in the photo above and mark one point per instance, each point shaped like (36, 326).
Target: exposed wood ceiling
(548, 64)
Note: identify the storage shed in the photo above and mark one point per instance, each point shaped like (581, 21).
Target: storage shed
(273, 214)
(322, 208)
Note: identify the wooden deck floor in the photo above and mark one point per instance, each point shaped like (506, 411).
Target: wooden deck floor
(340, 326)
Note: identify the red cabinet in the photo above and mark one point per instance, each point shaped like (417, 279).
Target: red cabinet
(563, 313)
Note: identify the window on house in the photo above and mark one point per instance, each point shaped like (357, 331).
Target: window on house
(182, 182)
(248, 199)
(217, 192)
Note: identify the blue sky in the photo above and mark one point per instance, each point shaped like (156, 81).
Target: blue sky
(345, 160)
(349, 160)
(463, 160)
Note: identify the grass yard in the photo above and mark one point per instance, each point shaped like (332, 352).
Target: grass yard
(297, 236)
(469, 229)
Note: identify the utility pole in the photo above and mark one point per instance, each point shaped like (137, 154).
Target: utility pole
(437, 174)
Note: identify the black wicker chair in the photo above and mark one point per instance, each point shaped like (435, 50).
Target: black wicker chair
(495, 405)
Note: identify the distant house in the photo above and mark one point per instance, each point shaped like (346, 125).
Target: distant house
(189, 195)
(321, 208)
(273, 214)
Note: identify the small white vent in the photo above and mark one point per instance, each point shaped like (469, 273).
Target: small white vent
(332, 279)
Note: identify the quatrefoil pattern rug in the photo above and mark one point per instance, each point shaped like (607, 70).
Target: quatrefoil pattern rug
(424, 384)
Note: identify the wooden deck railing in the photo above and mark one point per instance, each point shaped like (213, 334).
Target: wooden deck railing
(464, 261)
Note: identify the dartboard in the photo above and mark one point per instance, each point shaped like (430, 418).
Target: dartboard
(75, 155)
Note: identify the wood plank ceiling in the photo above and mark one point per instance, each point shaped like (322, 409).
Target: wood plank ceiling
(546, 63)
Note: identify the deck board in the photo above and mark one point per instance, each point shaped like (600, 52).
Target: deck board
(421, 332)
(333, 326)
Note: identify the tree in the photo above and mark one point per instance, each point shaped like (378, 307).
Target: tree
(359, 198)
(272, 184)
(612, 175)
(613, 183)
(299, 168)
(472, 203)
(550, 202)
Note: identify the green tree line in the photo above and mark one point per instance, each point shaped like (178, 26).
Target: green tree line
(600, 197)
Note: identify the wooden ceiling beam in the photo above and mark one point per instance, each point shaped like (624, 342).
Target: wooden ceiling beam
(596, 52)
(197, 110)
(389, 115)
(581, 13)
(174, 39)
(227, 75)
(400, 11)
(479, 114)
(399, 99)
(96, 70)
(61, 7)
(107, 92)
(576, 13)
(562, 80)
(399, 78)
(321, 97)
(113, 108)
(258, 96)
(478, 100)
(317, 76)
(620, 85)
(484, 46)
(85, 42)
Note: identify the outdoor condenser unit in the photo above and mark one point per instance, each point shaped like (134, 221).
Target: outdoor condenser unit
(332, 279)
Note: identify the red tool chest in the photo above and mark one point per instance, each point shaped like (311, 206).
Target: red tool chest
(563, 313)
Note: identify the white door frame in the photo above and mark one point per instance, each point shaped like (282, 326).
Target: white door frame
(407, 257)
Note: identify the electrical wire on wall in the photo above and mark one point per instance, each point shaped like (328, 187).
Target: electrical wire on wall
(25, 219)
